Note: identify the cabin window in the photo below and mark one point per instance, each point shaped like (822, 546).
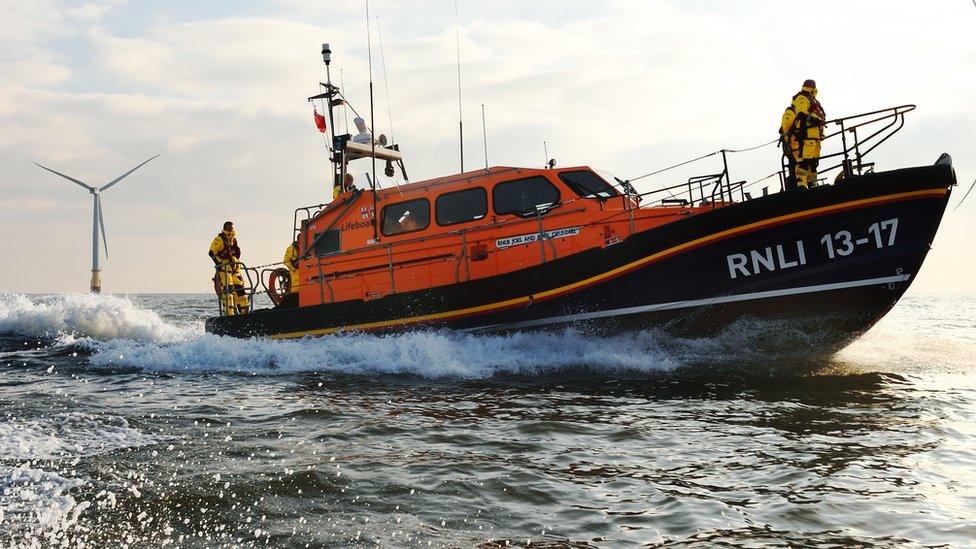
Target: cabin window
(461, 206)
(327, 243)
(587, 184)
(524, 196)
(406, 217)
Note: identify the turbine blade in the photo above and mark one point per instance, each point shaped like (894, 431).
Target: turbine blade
(68, 177)
(101, 223)
(123, 176)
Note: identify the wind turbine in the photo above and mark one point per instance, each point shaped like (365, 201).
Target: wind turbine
(98, 223)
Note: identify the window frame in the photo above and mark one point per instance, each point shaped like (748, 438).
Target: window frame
(338, 249)
(530, 213)
(591, 196)
(484, 194)
(383, 217)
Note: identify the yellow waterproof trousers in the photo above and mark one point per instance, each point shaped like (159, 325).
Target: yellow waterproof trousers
(232, 292)
(806, 158)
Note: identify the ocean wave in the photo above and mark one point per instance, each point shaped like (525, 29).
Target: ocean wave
(449, 354)
(67, 435)
(112, 332)
(97, 316)
(429, 354)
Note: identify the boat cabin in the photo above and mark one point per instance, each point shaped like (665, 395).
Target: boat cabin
(463, 227)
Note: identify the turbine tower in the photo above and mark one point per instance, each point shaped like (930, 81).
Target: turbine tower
(98, 223)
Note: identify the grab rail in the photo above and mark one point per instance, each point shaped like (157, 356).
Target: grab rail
(854, 148)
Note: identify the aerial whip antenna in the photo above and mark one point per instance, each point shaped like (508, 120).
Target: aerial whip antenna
(386, 80)
(372, 118)
(545, 150)
(484, 134)
(345, 106)
(457, 42)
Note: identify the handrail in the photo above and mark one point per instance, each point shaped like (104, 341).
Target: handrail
(853, 156)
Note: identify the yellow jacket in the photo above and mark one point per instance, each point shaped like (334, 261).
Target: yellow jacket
(291, 257)
(804, 119)
(291, 261)
(224, 249)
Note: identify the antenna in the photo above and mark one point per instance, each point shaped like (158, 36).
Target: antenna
(545, 148)
(457, 41)
(98, 221)
(386, 80)
(372, 118)
(345, 107)
(484, 134)
(338, 171)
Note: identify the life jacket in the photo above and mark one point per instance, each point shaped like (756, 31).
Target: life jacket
(229, 249)
(808, 125)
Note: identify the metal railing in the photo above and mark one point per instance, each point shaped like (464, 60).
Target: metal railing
(853, 154)
(718, 189)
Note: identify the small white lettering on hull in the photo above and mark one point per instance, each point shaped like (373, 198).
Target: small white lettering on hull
(510, 241)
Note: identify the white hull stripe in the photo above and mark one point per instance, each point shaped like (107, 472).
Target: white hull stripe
(694, 303)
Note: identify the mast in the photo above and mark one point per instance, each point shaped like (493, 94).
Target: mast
(457, 42)
(337, 164)
(372, 120)
(484, 135)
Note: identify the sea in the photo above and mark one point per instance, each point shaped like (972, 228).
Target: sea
(124, 424)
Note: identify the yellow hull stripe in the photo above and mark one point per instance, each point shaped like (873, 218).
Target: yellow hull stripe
(929, 193)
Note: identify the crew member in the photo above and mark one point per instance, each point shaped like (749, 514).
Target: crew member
(291, 261)
(408, 222)
(801, 132)
(226, 255)
(348, 186)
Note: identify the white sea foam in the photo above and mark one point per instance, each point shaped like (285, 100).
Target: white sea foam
(121, 334)
(97, 316)
(40, 507)
(432, 354)
(36, 505)
(66, 435)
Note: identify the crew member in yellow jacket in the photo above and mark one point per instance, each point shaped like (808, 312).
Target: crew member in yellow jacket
(291, 261)
(289, 294)
(226, 255)
(801, 131)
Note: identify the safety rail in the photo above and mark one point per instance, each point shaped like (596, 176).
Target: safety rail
(308, 210)
(853, 153)
(255, 278)
(854, 147)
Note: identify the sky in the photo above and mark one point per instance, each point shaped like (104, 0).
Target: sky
(219, 90)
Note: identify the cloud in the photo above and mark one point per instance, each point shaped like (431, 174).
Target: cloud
(93, 89)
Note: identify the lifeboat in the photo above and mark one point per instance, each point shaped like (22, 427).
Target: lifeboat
(510, 248)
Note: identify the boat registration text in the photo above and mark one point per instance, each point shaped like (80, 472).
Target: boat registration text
(793, 254)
